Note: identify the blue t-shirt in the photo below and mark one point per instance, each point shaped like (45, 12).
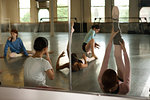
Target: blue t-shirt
(15, 46)
(90, 35)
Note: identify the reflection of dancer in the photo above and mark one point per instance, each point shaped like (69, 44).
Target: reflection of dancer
(89, 42)
(36, 68)
(109, 81)
(16, 46)
(77, 63)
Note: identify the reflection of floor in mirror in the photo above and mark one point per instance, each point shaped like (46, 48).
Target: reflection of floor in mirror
(85, 80)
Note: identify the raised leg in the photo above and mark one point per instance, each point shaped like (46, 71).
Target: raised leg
(119, 61)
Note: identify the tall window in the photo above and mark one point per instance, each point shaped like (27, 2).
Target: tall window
(24, 6)
(123, 6)
(145, 14)
(62, 10)
(43, 13)
(97, 10)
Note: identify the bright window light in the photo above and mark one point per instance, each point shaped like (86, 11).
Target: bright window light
(98, 10)
(24, 6)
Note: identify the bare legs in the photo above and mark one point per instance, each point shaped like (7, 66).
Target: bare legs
(90, 46)
(14, 55)
(119, 61)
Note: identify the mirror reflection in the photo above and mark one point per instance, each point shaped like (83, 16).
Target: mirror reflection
(109, 50)
(22, 47)
(123, 60)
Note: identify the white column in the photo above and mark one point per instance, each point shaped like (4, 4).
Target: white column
(51, 17)
(70, 42)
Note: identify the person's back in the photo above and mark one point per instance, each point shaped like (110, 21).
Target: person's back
(36, 68)
(34, 71)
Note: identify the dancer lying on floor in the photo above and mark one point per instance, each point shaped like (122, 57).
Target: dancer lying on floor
(77, 64)
(109, 80)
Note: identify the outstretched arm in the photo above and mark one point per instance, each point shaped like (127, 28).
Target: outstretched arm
(126, 74)
(61, 66)
(105, 60)
(106, 57)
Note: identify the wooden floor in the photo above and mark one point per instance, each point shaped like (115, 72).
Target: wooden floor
(138, 48)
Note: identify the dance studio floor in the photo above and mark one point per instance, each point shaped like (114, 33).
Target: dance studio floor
(138, 48)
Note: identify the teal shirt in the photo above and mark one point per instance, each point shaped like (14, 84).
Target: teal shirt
(90, 35)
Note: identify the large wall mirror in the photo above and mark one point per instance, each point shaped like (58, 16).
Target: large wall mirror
(104, 44)
(18, 55)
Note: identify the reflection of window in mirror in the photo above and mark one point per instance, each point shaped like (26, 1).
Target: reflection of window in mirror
(144, 14)
(43, 13)
(97, 10)
(123, 10)
(62, 10)
(24, 6)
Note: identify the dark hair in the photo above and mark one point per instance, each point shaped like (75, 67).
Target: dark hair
(15, 31)
(95, 26)
(74, 58)
(109, 79)
(40, 43)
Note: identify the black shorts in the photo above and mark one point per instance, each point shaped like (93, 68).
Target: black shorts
(83, 46)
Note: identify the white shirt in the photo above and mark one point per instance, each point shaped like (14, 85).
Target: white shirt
(34, 71)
